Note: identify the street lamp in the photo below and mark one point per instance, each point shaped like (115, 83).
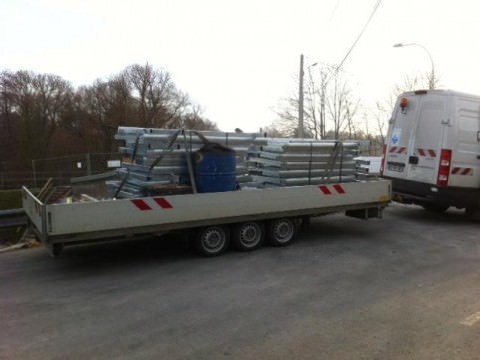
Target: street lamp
(431, 81)
(300, 97)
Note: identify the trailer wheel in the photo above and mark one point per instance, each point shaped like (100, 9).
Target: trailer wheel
(211, 240)
(281, 232)
(248, 236)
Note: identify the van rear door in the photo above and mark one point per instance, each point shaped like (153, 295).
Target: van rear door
(415, 137)
(465, 143)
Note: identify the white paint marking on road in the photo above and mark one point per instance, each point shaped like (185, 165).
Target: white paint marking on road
(471, 320)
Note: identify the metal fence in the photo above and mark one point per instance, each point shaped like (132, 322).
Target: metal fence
(60, 169)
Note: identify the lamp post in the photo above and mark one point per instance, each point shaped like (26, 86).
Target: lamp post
(431, 81)
(300, 98)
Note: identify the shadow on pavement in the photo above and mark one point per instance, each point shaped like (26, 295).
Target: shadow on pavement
(129, 253)
(418, 214)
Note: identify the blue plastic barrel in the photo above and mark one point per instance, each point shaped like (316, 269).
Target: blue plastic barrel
(215, 168)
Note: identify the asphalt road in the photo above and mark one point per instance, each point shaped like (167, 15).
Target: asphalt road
(404, 287)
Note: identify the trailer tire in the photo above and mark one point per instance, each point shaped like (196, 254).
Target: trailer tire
(211, 240)
(248, 236)
(281, 232)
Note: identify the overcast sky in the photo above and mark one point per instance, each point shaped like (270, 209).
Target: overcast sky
(237, 59)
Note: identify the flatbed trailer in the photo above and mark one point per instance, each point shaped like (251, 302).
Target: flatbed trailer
(245, 216)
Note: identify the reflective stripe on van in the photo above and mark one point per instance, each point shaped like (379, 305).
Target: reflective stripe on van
(462, 171)
(397, 150)
(427, 153)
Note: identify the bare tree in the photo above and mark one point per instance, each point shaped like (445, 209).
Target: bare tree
(287, 123)
(381, 114)
(341, 107)
(9, 123)
(411, 83)
(317, 91)
(192, 119)
(153, 90)
(158, 102)
(7, 81)
(42, 115)
(272, 131)
(107, 105)
(39, 100)
(329, 104)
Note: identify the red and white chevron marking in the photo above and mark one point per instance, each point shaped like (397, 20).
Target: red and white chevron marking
(397, 150)
(462, 171)
(427, 152)
(336, 189)
(147, 203)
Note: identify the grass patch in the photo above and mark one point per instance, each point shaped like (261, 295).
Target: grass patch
(10, 199)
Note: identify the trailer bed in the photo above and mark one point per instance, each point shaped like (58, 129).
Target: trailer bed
(96, 220)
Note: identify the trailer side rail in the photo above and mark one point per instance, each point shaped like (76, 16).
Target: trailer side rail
(72, 222)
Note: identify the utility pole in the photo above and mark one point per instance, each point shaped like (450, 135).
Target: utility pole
(300, 99)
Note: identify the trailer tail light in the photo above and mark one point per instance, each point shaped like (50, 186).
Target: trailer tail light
(444, 168)
(382, 165)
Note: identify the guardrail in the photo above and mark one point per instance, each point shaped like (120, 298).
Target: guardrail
(12, 218)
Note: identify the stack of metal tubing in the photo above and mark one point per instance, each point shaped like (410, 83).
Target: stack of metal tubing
(291, 162)
(159, 160)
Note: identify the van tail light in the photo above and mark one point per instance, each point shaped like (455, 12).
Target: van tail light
(444, 168)
(382, 165)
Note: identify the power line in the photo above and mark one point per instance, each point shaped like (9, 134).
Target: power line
(360, 34)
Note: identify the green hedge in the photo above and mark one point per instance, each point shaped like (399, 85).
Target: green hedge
(10, 199)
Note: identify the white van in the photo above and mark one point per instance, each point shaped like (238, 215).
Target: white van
(432, 150)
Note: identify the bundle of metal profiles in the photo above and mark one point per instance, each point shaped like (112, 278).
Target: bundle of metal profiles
(158, 159)
(368, 167)
(291, 162)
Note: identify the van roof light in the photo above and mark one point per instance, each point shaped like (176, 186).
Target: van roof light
(420, 92)
(403, 102)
